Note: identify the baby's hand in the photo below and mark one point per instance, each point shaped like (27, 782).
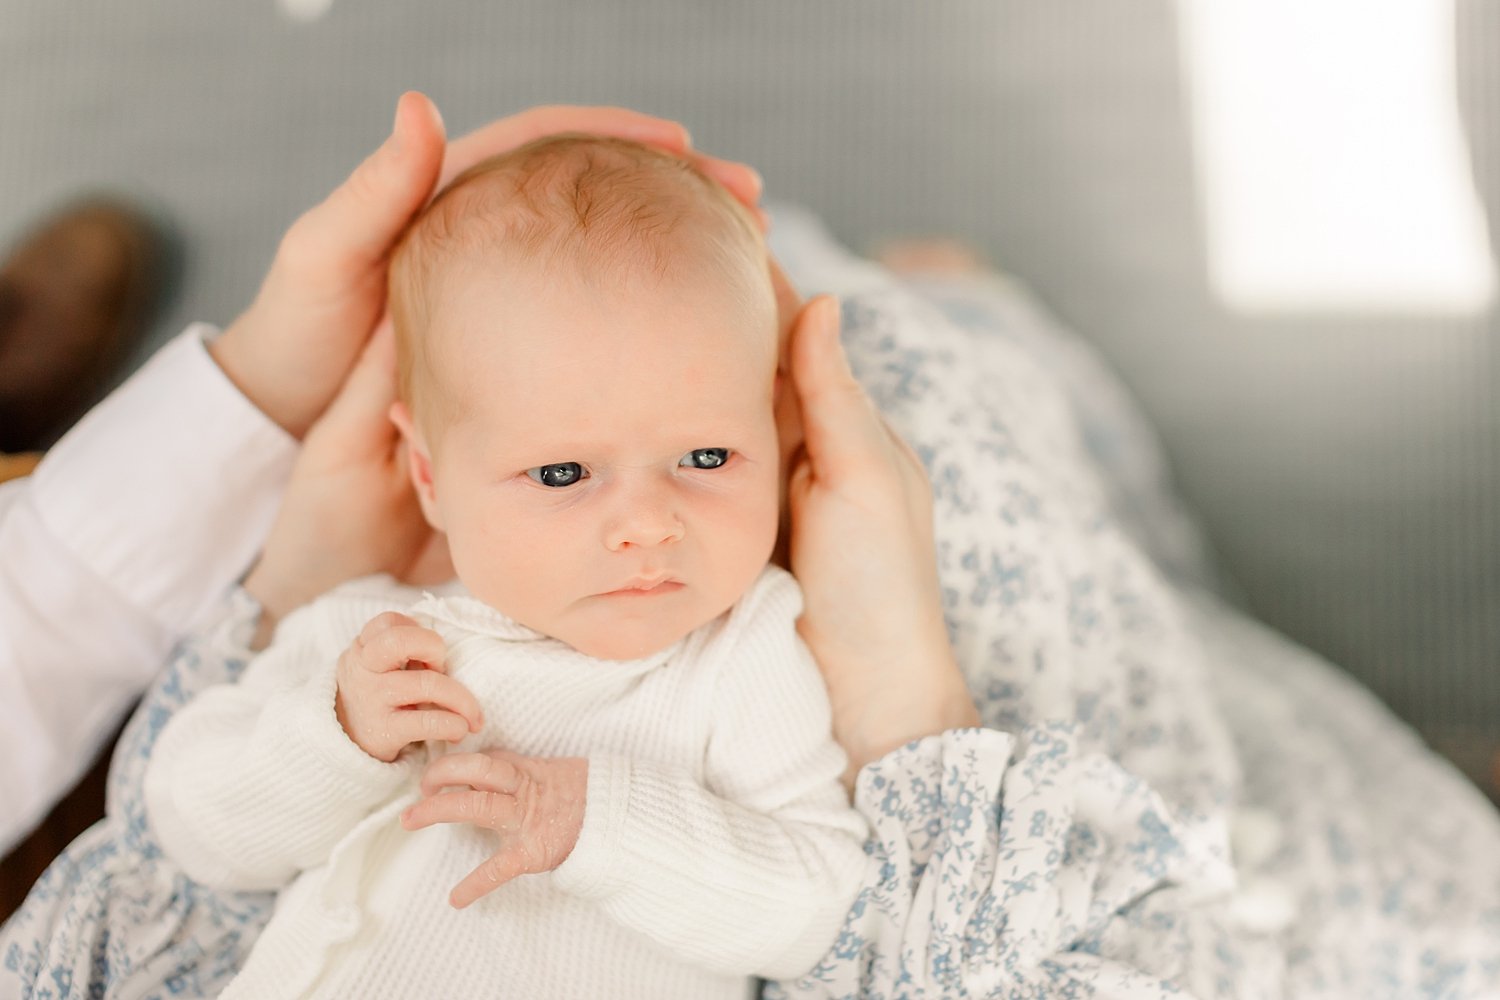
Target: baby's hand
(535, 804)
(393, 691)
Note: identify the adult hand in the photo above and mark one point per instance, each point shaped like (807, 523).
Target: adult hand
(861, 545)
(325, 290)
(349, 509)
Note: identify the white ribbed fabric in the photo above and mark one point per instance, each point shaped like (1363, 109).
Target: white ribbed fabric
(717, 843)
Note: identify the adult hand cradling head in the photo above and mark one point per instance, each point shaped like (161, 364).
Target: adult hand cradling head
(349, 510)
(860, 537)
(860, 541)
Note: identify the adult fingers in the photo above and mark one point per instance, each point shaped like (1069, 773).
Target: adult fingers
(433, 564)
(391, 645)
(740, 179)
(502, 866)
(352, 230)
(410, 688)
(519, 129)
(915, 476)
(788, 300)
(841, 428)
(486, 772)
(355, 423)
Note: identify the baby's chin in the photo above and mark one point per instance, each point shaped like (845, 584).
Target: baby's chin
(632, 632)
(625, 642)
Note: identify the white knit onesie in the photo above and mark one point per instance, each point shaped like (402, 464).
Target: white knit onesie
(717, 843)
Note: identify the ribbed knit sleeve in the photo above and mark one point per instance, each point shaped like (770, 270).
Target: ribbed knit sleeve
(255, 781)
(751, 869)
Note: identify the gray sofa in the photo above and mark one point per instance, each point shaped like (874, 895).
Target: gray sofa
(1346, 465)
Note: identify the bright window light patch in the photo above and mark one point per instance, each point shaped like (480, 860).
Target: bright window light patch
(1331, 156)
(304, 10)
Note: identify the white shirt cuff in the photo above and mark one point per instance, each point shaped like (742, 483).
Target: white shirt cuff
(166, 489)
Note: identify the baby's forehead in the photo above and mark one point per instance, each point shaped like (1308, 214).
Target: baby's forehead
(534, 319)
(596, 218)
(604, 380)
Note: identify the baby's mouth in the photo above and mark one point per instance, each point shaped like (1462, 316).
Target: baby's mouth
(644, 587)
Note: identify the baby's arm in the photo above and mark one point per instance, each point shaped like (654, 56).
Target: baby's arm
(754, 873)
(252, 782)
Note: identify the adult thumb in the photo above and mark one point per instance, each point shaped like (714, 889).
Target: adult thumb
(354, 227)
(838, 423)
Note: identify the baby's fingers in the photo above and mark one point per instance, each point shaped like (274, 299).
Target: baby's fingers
(417, 725)
(381, 622)
(412, 688)
(399, 640)
(502, 866)
(496, 811)
(487, 772)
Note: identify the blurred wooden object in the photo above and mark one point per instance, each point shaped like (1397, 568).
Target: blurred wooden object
(16, 466)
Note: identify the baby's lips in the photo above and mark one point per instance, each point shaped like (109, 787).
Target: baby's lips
(645, 582)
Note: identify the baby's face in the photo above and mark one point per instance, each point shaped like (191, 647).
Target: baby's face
(612, 479)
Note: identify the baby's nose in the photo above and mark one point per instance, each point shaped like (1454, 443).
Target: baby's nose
(645, 518)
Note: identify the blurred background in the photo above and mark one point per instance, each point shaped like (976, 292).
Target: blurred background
(1275, 222)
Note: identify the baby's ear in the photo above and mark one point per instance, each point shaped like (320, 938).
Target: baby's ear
(418, 463)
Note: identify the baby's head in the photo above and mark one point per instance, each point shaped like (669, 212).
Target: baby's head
(587, 344)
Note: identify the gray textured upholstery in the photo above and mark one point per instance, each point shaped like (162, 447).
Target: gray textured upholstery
(1347, 468)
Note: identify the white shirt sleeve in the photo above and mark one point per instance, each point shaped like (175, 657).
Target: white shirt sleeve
(127, 536)
(255, 781)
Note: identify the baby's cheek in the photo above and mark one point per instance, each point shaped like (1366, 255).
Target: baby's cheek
(519, 570)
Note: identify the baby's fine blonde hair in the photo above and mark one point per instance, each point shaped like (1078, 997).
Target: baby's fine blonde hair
(606, 208)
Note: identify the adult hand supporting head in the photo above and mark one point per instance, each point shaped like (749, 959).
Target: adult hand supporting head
(292, 348)
(861, 545)
(349, 509)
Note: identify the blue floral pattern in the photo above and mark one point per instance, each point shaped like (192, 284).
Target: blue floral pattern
(1167, 800)
(113, 917)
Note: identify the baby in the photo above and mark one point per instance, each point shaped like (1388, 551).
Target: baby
(622, 745)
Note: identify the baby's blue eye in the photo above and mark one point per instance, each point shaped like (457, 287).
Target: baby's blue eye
(705, 458)
(558, 475)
